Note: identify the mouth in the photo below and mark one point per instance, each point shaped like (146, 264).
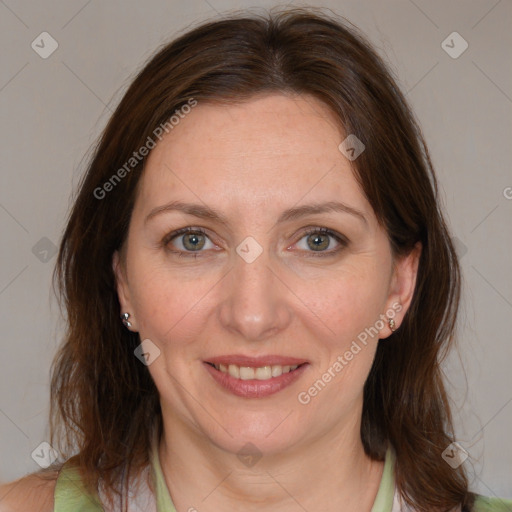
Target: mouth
(255, 373)
(255, 377)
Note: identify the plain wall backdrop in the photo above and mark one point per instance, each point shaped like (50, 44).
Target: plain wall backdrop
(54, 105)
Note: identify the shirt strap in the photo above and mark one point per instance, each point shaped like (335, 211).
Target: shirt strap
(70, 494)
(163, 498)
(384, 499)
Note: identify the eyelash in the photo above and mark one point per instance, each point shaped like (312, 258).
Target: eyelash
(322, 254)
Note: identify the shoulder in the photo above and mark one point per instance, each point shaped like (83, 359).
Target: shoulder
(485, 504)
(33, 492)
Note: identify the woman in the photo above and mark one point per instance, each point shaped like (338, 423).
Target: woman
(262, 213)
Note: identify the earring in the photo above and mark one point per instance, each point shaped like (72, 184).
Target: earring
(124, 319)
(392, 325)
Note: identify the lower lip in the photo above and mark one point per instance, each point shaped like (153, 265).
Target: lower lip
(255, 388)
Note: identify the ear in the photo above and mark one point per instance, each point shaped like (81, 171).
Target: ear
(123, 292)
(401, 291)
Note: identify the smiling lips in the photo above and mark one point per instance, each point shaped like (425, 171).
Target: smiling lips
(255, 377)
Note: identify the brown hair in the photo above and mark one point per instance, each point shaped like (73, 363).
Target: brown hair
(104, 401)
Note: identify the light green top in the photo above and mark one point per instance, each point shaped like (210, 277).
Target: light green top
(70, 495)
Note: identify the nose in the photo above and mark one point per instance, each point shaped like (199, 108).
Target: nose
(255, 301)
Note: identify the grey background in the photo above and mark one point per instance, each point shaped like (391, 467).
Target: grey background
(53, 109)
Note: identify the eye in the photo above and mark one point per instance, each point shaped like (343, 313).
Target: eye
(318, 239)
(188, 240)
(191, 241)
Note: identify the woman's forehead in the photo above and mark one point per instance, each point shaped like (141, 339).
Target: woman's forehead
(273, 125)
(270, 146)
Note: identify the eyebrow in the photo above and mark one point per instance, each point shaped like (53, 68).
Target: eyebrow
(206, 212)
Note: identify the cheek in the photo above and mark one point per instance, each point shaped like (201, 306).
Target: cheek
(350, 300)
(168, 304)
(349, 309)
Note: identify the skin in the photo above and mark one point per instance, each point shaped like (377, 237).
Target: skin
(251, 162)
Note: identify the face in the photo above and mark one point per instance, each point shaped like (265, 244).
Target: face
(251, 282)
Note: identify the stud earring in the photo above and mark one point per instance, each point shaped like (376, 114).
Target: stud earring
(124, 319)
(392, 324)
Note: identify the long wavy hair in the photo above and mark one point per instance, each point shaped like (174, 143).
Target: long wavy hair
(104, 403)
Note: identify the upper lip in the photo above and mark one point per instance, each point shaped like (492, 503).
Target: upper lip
(255, 362)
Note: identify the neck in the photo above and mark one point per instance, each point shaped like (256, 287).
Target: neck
(330, 473)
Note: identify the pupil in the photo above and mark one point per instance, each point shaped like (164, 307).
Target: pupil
(193, 241)
(317, 242)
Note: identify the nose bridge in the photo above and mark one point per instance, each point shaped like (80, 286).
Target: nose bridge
(254, 305)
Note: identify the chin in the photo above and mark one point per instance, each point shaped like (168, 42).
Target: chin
(268, 436)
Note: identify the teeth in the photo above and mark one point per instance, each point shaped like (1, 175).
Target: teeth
(249, 373)
(246, 373)
(234, 370)
(276, 371)
(264, 373)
